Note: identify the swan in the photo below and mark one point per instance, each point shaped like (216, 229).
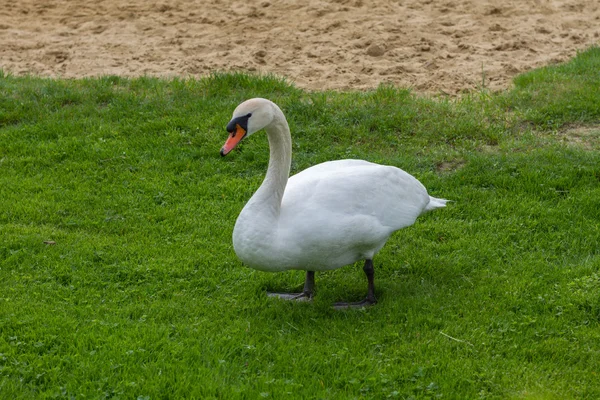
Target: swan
(325, 217)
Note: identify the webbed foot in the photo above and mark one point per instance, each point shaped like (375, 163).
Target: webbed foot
(291, 296)
(371, 300)
(305, 295)
(359, 304)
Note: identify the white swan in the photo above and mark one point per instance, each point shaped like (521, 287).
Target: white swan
(325, 217)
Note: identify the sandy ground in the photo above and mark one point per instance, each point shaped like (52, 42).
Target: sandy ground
(431, 46)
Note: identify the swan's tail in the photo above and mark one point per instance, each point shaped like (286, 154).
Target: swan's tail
(435, 203)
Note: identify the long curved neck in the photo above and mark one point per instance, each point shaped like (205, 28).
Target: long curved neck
(267, 199)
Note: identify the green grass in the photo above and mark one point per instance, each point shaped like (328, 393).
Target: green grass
(137, 292)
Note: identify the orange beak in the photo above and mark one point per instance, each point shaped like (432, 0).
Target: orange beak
(234, 138)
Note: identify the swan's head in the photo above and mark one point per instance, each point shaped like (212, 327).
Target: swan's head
(249, 117)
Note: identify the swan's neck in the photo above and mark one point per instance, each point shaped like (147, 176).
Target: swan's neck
(267, 199)
(256, 229)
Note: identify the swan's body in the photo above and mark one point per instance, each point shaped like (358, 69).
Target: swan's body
(331, 215)
(325, 217)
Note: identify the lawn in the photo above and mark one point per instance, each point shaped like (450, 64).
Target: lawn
(118, 277)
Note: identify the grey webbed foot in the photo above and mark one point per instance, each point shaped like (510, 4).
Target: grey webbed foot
(371, 300)
(359, 304)
(291, 296)
(305, 295)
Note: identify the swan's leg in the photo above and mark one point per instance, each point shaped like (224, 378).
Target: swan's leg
(306, 294)
(371, 299)
(369, 269)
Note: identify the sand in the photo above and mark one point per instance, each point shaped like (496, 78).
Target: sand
(447, 46)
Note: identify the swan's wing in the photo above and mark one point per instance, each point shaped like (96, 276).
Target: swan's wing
(352, 188)
(336, 213)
